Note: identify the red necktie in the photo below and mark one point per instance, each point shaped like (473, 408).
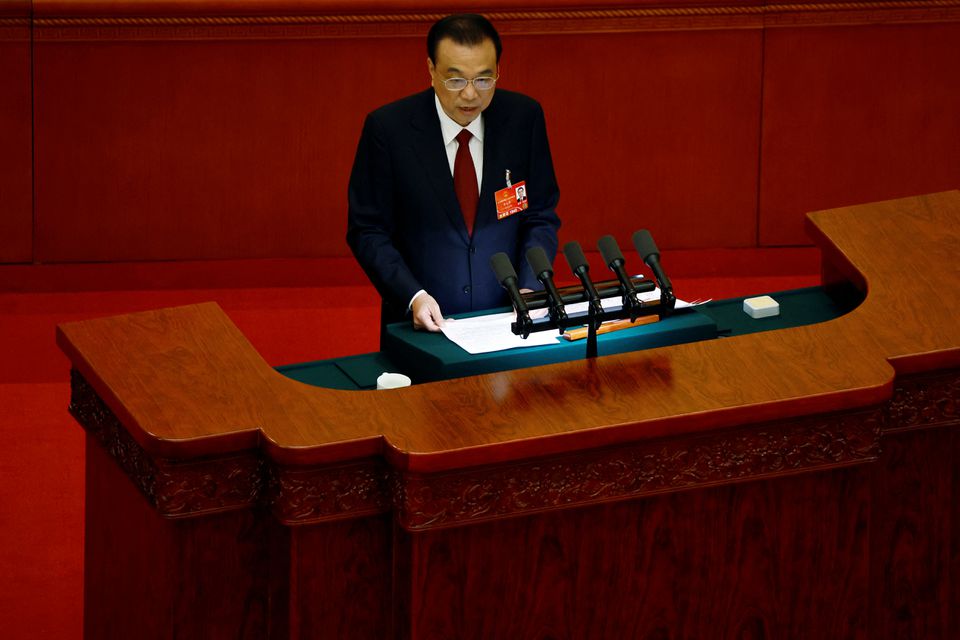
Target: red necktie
(465, 180)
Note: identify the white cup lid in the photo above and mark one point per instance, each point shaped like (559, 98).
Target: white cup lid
(392, 381)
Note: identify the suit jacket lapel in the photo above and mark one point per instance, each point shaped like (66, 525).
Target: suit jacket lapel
(493, 164)
(429, 149)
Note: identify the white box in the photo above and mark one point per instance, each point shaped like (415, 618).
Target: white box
(761, 307)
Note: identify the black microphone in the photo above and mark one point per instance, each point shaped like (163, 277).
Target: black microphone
(537, 259)
(578, 264)
(647, 249)
(614, 259)
(507, 277)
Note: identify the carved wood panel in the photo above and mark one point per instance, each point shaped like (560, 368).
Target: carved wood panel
(346, 490)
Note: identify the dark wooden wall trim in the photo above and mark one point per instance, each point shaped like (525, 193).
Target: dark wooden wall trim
(116, 23)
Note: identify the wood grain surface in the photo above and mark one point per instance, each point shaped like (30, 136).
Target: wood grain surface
(790, 484)
(155, 578)
(694, 563)
(185, 382)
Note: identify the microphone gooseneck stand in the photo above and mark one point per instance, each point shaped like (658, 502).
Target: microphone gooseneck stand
(554, 298)
(578, 264)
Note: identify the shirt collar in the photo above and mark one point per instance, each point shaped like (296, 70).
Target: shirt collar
(449, 127)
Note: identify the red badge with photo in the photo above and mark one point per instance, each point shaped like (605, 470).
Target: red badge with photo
(511, 200)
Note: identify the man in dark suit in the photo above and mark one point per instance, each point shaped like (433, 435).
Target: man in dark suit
(423, 220)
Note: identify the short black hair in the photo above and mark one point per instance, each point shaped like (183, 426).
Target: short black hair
(463, 28)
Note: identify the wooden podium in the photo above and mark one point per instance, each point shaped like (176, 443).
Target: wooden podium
(801, 483)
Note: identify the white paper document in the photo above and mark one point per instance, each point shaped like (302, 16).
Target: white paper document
(484, 334)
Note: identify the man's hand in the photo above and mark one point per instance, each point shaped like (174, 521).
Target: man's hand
(426, 313)
(536, 313)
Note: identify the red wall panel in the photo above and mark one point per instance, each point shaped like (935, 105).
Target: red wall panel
(179, 150)
(655, 130)
(856, 114)
(16, 197)
(228, 137)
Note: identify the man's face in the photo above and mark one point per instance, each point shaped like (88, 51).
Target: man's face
(463, 61)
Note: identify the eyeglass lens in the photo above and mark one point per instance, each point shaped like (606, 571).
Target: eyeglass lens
(483, 83)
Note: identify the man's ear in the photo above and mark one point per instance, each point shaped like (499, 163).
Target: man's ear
(430, 68)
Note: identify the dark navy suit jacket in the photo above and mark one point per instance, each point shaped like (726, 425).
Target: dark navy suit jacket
(405, 226)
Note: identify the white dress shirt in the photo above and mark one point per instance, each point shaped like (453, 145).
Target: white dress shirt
(450, 130)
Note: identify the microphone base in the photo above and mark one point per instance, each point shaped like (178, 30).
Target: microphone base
(592, 340)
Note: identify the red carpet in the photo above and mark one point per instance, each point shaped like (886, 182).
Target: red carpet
(41, 496)
(41, 513)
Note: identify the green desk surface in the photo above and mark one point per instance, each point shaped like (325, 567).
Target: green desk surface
(351, 373)
(798, 307)
(429, 357)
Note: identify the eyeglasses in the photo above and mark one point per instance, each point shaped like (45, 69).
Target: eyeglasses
(483, 83)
